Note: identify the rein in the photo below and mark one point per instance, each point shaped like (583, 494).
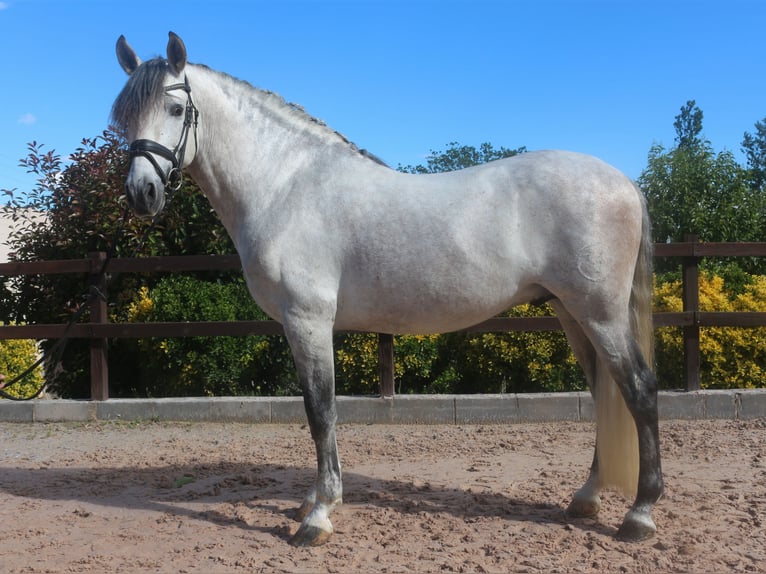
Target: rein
(148, 148)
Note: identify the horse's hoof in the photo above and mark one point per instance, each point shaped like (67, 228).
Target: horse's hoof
(636, 527)
(584, 507)
(309, 535)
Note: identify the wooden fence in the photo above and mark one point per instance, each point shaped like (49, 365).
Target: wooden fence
(99, 330)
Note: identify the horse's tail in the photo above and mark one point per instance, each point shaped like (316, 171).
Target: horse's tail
(616, 436)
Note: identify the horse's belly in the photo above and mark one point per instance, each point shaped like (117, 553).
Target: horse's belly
(405, 320)
(406, 309)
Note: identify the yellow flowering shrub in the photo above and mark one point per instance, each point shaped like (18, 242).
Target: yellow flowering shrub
(358, 372)
(16, 356)
(730, 357)
(517, 361)
(140, 309)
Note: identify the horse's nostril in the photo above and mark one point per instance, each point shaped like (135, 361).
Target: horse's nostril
(151, 192)
(130, 195)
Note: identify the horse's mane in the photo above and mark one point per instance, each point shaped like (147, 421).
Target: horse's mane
(143, 86)
(146, 84)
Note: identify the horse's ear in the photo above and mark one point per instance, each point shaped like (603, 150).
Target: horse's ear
(176, 53)
(126, 56)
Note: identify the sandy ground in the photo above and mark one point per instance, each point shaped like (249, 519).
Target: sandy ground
(158, 497)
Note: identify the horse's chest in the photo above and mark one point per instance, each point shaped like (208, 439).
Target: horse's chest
(282, 276)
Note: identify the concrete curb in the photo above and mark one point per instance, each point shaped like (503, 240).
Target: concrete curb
(402, 409)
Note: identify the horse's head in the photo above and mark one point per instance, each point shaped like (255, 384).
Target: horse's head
(156, 112)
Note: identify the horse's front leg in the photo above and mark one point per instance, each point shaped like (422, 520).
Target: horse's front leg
(311, 344)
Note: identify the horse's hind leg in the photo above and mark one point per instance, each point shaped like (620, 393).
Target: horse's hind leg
(311, 345)
(613, 350)
(638, 387)
(585, 501)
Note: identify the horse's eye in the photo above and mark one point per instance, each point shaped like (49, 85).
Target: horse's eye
(177, 110)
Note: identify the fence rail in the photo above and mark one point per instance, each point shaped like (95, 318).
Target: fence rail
(99, 330)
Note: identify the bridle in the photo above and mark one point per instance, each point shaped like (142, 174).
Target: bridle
(146, 148)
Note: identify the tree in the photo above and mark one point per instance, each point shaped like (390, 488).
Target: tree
(754, 148)
(688, 125)
(692, 189)
(458, 156)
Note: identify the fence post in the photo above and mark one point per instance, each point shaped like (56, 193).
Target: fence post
(386, 363)
(99, 368)
(691, 299)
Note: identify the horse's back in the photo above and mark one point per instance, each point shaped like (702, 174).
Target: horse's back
(444, 251)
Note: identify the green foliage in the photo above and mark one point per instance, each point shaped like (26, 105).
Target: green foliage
(15, 357)
(517, 361)
(690, 189)
(458, 156)
(731, 357)
(513, 362)
(207, 366)
(416, 360)
(693, 190)
(688, 125)
(754, 147)
(84, 212)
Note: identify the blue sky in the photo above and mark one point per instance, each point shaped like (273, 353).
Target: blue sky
(403, 77)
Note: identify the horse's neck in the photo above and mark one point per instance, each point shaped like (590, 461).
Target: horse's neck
(253, 146)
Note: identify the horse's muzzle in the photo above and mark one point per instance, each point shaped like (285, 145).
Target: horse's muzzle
(146, 197)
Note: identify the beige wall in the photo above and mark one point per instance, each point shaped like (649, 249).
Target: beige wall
(5, 228)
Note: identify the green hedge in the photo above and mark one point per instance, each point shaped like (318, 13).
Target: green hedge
(261, 365)
(208, 366)
(523, 361)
